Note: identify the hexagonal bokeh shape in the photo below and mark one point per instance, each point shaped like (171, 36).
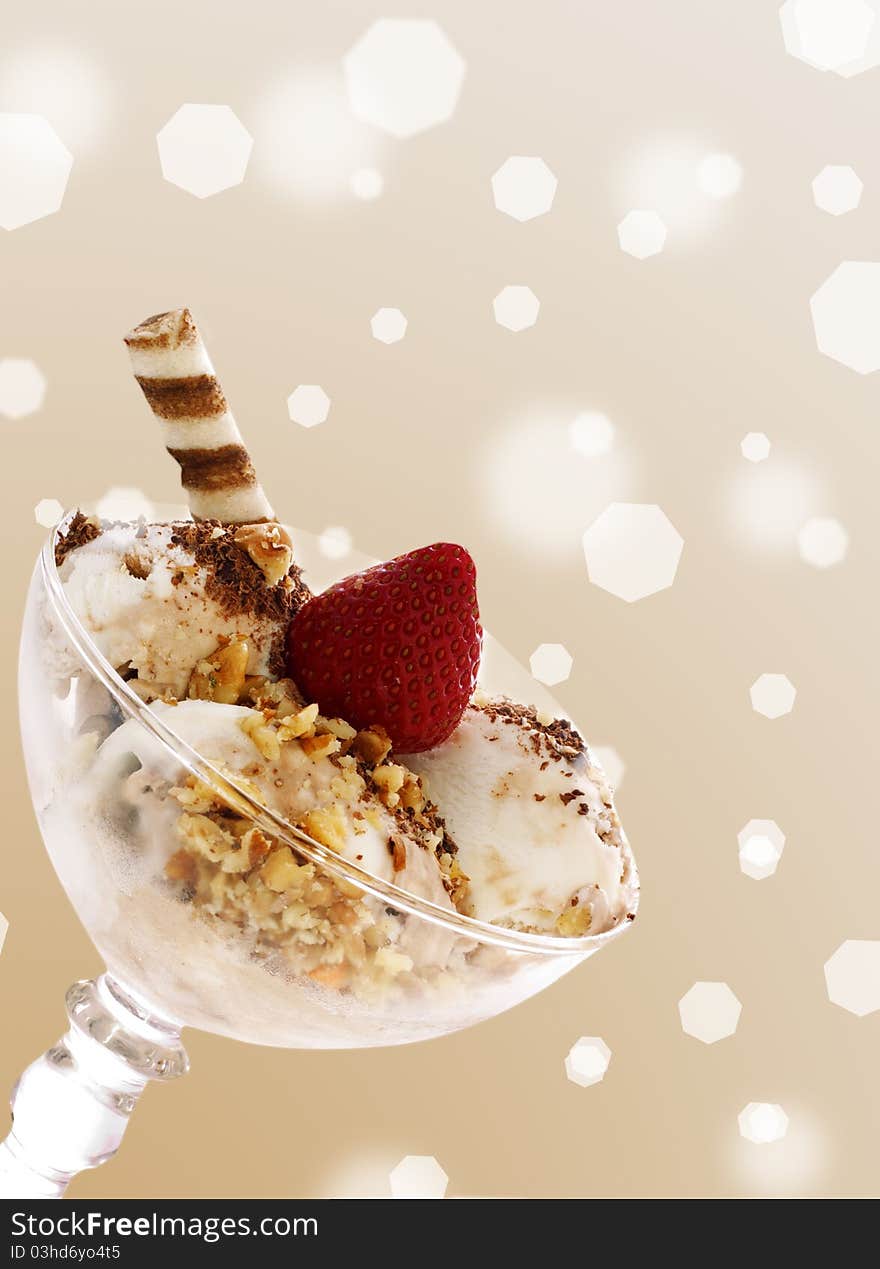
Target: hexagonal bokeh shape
(204, 149)
(592, 433)
(124, 502)
(709, 1012)
(827, 34)
(22, 387)
(551, 663)
(48, 512)
(308, 405)
(632, 550)
(418, 1176)
(388, 325)
(34, 169)
(404, 76)
(761, 843)
(773, 695)
(846, 315)
(755, 446)
(837, 190)
(763, 1123)
(611, 763)
(516, 308)
(823, 542)
(4, 930)
(524, 187)
(335, 542)
(587, 1061)
(852, 976)
(641, 234)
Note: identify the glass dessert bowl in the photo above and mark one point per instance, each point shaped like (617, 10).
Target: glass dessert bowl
(212, 910)
(288, 812)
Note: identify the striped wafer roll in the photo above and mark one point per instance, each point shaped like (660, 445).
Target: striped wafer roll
(174, 370)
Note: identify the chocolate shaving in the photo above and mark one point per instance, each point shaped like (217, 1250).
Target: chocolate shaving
(558, 738)
(237, 585)
(80, 530)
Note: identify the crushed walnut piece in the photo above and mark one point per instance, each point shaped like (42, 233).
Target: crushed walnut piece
(221, 676)
(372, 744)
(270, 548)
(389, 780)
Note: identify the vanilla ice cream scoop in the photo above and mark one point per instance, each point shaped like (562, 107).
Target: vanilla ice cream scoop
(533, 817)
(158, 598)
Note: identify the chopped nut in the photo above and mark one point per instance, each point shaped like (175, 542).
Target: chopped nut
(398, 854)
(544, 718)
(237, 860)
(412, 795)
(391, 961)
(283, 697)
(348, 786)
(342, 914)
(264, 737)
(257, 846)
(194, 796)
(201, 834)
(455, 880)
(181, 867)
(327, 826)
(301, 723)
(270, 548)
(221, 677)
(337, 727)
(373, 744)
(281, 872)
(332, 976)
(319, 746)
(375, 937)
(389, 781)
(574, 921)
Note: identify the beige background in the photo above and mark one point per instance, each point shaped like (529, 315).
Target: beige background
(686, 352)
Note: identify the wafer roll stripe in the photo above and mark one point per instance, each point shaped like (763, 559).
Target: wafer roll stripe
(172, 366)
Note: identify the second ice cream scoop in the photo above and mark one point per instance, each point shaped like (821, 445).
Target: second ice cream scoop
(534, 820)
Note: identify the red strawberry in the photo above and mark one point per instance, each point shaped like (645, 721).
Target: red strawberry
(398, 645)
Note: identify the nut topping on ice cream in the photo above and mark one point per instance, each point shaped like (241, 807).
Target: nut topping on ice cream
(159, 598)
(78, 531)
(269, 546)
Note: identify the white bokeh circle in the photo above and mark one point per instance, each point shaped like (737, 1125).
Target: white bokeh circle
(632, 550)
(34, 169)
(204, 149)
(308, 405)
(404, 75)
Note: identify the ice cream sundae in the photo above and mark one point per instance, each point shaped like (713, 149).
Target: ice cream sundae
(354, 716)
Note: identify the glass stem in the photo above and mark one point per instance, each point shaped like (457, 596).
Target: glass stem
(70, 1108)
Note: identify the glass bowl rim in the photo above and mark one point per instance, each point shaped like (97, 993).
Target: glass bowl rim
(270, 821)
